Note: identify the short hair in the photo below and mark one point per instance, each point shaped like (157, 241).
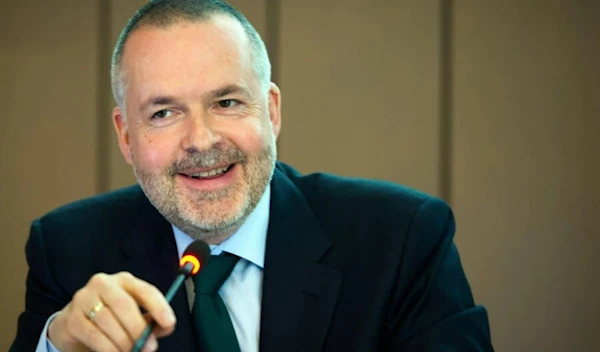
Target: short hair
(164, 13)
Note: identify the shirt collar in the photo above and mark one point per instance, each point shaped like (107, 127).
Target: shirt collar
(247, 242)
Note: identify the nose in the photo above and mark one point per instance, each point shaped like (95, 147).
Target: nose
(200, 134)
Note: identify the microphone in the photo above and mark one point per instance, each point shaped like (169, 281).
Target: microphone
(194, 258)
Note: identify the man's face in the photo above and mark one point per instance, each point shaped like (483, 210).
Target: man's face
(198, 128)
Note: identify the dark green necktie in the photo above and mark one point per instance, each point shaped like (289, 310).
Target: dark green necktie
(213, 325)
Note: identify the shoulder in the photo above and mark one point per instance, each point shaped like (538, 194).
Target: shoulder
(379, 230)
(365, 203)
(120, 198)
(91, 214)
(86, 233)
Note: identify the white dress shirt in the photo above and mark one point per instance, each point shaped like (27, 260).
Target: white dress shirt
(242, 291)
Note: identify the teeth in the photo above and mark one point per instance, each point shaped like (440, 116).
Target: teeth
(209, 173)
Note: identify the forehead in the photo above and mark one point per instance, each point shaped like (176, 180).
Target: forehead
(204, 54)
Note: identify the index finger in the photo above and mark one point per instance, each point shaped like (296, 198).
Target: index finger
(150, 298)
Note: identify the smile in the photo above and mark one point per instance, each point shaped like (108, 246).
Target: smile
(207, 174)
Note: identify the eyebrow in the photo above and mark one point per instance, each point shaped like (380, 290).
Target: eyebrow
(214, 94)
(157, 100)
(229, 89)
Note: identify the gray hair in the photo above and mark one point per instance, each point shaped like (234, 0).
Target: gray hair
(163, 13)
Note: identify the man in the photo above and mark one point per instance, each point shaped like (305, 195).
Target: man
(320, 263)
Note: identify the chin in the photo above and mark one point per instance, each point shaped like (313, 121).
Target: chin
(214, 215)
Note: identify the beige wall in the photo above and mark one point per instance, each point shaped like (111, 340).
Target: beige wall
(492, 105)
(48, 126)
(526, 168)
(361, 86)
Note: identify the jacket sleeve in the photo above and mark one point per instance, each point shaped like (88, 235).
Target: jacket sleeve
(43, 296)
(433, 308)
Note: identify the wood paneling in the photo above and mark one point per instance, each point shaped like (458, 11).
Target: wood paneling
(360, 87)
(526, 167)
(47, 139)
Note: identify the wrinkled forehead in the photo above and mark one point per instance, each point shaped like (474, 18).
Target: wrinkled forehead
(207, 53)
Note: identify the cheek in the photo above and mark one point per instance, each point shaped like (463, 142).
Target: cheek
(152, 151)
(253, 138)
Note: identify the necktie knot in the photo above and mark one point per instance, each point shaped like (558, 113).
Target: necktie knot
(210, 279)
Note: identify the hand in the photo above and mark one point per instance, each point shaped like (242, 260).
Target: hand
(118, 321)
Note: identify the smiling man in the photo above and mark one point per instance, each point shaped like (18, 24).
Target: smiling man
(299, 263)
(197, 120)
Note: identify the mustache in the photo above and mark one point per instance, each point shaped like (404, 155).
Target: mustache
(208, 159)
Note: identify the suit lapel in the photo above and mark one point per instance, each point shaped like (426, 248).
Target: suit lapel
(151, 255)
(299, 293)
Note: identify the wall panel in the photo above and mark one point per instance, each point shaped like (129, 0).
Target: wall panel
(360, 87)
(526, 168)
(47, 139)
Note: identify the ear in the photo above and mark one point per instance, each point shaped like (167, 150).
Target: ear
(275, 108)
(120, 124)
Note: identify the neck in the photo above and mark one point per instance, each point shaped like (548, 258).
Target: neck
(217, 239)
(214, 237)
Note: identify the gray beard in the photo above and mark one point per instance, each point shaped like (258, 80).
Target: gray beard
(161, 191)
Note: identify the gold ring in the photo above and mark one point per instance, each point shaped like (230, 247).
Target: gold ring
(94, 312)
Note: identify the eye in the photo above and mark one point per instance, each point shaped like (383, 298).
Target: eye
(162, 114)
(227, 103)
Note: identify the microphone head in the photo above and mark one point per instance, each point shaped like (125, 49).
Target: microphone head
(196, 254)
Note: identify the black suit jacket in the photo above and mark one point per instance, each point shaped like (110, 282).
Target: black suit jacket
(350, 265)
